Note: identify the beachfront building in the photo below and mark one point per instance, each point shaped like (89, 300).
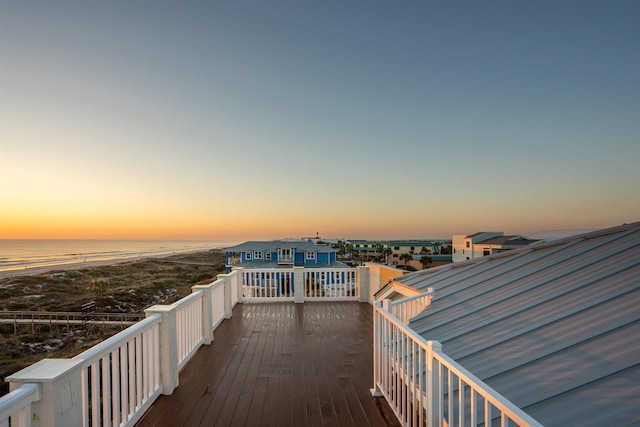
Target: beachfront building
(269, 268)
(541, 335)
(465, 247)
(392, 251)
(280, 253)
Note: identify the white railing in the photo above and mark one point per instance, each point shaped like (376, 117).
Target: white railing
(189, 326)
(217, 303)
(267, 284)
(300, 284)
(285, 259)
(425, 387)
(121, 376)
(331, 283)
(16, 406)
(116, 381)
(407, 308)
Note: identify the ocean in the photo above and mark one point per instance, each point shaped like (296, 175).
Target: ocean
(28, 254)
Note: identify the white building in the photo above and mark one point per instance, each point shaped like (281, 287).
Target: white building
(465, 247)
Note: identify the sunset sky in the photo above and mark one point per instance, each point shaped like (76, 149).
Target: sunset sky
(270, 119)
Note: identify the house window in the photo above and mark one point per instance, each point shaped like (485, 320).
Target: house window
(412, 248)
(395, 255)
(486, 252)
(396, 248)
(311, 255)
(248, 256)
(257, 255)
(467, 243)
(454, 250)
(267, 256)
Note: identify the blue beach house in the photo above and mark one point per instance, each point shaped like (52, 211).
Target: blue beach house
(268, 269)
(281, 253)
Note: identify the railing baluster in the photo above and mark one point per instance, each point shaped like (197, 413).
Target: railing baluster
(139, 361)
(461, 402)
(399, 368)
(472, 403)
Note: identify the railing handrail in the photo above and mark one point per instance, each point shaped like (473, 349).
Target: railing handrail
(17, 400)
(103, 348)
(411, 298)
(212, 285)
(496, 399)
(186, 300)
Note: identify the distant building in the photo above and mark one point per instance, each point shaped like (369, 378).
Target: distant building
(281, 253)
(370, 250)
(465, 247)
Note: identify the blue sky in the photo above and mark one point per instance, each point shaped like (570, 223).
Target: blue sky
(272, 119)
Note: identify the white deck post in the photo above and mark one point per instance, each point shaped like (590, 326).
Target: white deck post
(228, 304)
(239, 282)
(207, 312)
(433, 384)
(60, 383)
(299, 288)
(363, 284)
(168, 346)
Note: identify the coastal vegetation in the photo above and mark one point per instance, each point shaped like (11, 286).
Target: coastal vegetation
(127, 287)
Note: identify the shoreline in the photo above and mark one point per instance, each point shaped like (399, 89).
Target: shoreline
(54, 268)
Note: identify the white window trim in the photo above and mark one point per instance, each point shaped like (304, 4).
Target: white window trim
(257, 255)
(248, 256)
(312, 253)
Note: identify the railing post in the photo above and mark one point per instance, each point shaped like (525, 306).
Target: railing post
(299, 287)
(239, 283)
(228, 295)
(168, 346)
(433, 384)
(363, 284)
(207, 312)
(60, 383)
(228, 303)
(377, 345)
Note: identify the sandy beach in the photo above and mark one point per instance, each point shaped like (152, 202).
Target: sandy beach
(32, 271)
(62, 267)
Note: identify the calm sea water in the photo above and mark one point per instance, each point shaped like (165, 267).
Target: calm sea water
(21, 254)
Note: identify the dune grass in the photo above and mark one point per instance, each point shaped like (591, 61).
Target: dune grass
(128, 287)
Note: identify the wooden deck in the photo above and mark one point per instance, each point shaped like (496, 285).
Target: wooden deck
(280, 364)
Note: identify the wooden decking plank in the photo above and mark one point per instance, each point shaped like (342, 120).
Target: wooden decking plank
(280, 364)
(260, 373)
(284, 410)
(221, 376)
(228, 397)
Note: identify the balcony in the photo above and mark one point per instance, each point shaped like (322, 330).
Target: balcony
(280, 364)
(285, 259)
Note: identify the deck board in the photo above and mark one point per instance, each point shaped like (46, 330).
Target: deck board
(280, 364)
